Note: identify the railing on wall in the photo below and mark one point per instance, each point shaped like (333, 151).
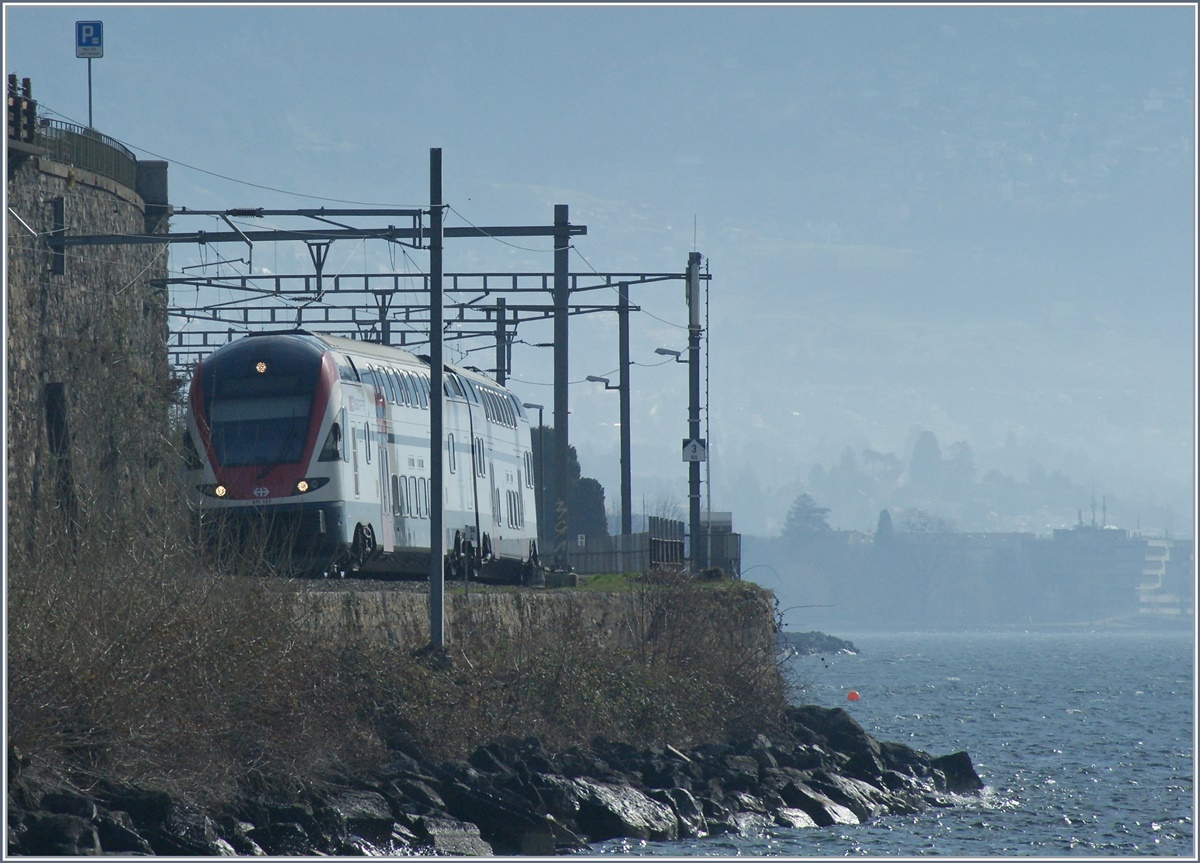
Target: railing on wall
(660, 546)
(87, 149)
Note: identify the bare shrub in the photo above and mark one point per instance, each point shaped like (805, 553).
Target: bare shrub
(134, 656)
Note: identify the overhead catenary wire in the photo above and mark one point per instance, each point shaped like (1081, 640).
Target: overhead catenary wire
(318, 301)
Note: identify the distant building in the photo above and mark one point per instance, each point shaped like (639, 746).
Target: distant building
(1086, 573)
(1168, 586)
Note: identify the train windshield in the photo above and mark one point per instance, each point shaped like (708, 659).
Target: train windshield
(261, 430)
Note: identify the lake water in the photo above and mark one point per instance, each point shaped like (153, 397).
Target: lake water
(1084, 740)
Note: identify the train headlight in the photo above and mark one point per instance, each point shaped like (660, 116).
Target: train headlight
(213, 490)
(220, 491)
(260, 367)
(309, 483)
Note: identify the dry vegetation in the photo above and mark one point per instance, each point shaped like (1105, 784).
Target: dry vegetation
(131, 656)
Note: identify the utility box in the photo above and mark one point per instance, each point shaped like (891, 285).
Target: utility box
(719, 546)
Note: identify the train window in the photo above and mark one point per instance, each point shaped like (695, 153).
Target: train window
(412, 496)
(423, 390)
(402, 392)
(367, 440)
(480, 462)
(396, 497)
(332, 449)
(348, 371)
(411, 380)
(386, 375)
(518, 408)
(422, 497)
(402, 388)
(451, 459)
(453, 387)
(472, 393)
(528, 469)
(266, 429)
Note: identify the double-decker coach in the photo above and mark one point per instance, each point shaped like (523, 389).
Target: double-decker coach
(318, 446)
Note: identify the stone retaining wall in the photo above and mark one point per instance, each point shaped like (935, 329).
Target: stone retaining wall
(742, 614)
(86, 327)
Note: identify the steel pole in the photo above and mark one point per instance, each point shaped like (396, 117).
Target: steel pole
(437, 533)
(693, 296)
(501, 342)
(623, 351)
(562, 260)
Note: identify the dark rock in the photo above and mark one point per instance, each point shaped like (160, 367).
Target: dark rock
(366, 814)
(451, 837)
(282, 839)
(739, 772)
(493, 759)
(802, 757)
(118, 835)
(904, 759)
(688, 812)
(505, 821)
(60, 836)
(785, 816)
(960, 774)
(751, 823)
(811, 643)
(146, 808)
(69, 803)
(859, 797)
(416, 791)
(820, 808)
(612, 811)
(236, 833)
(186, 832)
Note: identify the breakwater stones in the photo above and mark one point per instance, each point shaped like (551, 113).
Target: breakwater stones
(514, 798)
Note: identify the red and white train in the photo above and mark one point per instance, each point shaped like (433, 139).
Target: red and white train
(319, 446)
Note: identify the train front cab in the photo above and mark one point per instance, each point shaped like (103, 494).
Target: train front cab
(267, 451)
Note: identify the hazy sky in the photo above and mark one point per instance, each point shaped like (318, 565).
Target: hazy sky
(974, 220)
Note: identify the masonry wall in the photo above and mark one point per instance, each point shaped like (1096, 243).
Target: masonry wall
(88, 382)
(743, 615)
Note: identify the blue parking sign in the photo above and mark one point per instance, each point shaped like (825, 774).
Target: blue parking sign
(89, 39)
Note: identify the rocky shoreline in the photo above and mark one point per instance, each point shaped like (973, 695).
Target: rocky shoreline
(514, 798)
(812, 643)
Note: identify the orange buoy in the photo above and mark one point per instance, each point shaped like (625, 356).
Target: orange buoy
(852, 695)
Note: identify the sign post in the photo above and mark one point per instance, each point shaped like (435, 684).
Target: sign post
(89, 43)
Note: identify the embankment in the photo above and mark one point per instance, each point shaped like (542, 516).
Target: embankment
(554, 719)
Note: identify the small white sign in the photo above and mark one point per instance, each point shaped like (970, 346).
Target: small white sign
(695, 450)
(581, 540)
(89, 39)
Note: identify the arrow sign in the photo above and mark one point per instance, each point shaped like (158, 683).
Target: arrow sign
(695, 450)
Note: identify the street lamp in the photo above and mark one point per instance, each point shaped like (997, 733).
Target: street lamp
(598, 380)
(541, 503)
(667, 352)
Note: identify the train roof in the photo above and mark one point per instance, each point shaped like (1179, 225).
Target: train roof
(375, 351)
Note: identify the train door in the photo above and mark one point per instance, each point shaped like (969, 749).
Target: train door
(385, 500)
